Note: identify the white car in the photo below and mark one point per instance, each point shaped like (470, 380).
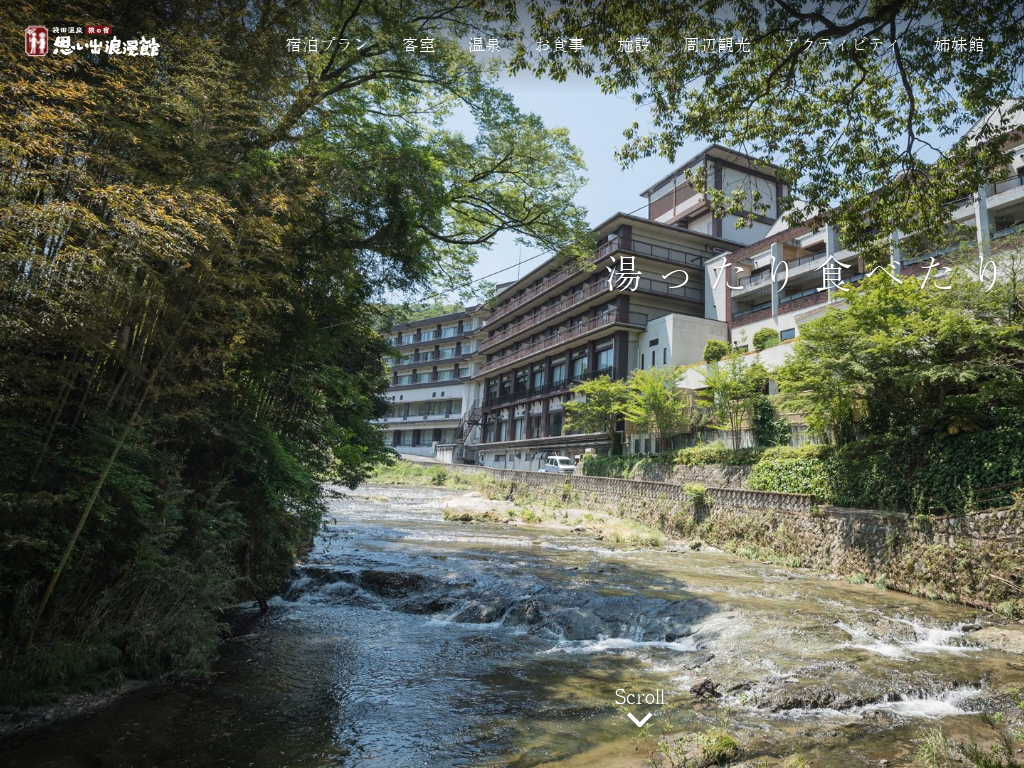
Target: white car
(559, 464)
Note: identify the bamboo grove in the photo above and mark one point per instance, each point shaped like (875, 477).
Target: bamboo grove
(195, 250)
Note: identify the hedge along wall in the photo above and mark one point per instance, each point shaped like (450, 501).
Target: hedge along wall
(975, 559)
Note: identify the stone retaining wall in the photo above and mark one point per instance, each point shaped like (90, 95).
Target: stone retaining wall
(975, 559)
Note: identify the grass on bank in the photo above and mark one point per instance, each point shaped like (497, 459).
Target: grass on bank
(524, 506)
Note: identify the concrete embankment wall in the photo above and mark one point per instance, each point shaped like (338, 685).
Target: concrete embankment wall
(975, 559)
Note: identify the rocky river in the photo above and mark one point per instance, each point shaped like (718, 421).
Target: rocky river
(407, 640)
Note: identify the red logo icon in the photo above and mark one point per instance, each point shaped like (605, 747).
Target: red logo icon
(36, 41)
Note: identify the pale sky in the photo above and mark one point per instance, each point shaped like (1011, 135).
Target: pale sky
(595, 121)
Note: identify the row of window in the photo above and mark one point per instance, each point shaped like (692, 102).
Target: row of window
(414, 438)
(426, 408)
(426, 377)
(448, 332)
(523, 428)
(525, 380)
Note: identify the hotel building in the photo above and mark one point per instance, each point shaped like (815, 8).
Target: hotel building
(489, 385)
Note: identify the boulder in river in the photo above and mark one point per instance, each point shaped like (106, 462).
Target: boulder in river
(705, 688)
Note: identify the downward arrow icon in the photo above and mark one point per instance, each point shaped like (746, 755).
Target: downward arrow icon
(639, 723)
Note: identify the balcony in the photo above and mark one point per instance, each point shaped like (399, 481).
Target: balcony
(430, 378)
(795, 268)
(412, 417)
(644, 285)
(554, 387)
(641, 247)
(529, 295)
(446, 334)
(584, 294)
(609, 318)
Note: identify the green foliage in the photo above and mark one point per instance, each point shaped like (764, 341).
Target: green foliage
(733, 387)
(195, 252)
(769, 428)
(901, 362)
(867, 170)
(715, 350)
(698, 494)
(947, 473)
(626, 467)
(654, 404)
(765, 338)
(793, 470)
(717, 454)
(604, 400)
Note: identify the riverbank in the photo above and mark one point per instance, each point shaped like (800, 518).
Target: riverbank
(975, 560)
(403, 638)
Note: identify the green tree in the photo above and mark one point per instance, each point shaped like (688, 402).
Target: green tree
(765, 338)
(604, 400)
(732, 389)
(864, 131)
(195, 249)
(770, 429)
(901, 361)
(655, 404)
(715, 350)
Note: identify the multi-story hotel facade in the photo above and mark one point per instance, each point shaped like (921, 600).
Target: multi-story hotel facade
(489, 385)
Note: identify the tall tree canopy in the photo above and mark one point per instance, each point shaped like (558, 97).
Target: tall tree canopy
(861, 101)
(194, 252)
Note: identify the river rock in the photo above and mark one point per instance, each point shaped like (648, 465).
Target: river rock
(391, 583)
(1008, 638)
(705, 688)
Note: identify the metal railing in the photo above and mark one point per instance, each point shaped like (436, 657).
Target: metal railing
(611, 317)
(430, 378)
(643, 247)
(530, 294)
(686, 292)
(414, 417)
(751, 280)
(1007, 184)
(582, 295)
(752, 310)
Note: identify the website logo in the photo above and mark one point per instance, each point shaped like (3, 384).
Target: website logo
(36, 41)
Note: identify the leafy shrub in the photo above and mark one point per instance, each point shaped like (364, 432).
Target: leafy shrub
(793, 470)
(944, 474)
(628, 467)
(715, 350)
(698, 494)
(765, 338)
(717, 454)
(769, 428)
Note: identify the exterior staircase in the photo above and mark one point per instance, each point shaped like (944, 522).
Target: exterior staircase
(469, 420)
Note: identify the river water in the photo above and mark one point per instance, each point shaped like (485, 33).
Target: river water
(405, 640)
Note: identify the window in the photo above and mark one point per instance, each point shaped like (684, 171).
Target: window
(579, 367)
(554, 424)
(652, 359)
(605, 358)
(517, 428)
(538, 379)
(789, 333)
(664, 355)
(558, 373)
(535, 425)
(502, 430)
